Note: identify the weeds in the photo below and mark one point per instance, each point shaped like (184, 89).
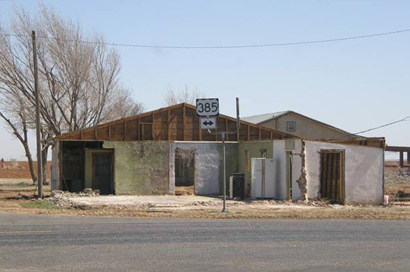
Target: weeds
(38, 205)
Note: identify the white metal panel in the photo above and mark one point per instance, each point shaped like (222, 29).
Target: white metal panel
(269, 179)
(262, 178)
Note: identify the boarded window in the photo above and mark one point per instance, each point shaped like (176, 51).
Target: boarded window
(291, 126)
(332, 175)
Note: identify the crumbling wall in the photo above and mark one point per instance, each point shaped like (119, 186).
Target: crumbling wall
(140, 168)
(363, 171)
(208, 165)
(299, 183)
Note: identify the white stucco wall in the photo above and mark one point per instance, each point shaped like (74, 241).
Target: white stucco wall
(363, 171)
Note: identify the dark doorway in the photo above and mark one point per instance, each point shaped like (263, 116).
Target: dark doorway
(102, 178)
(289, 162)
(332, 175)
(184, 167)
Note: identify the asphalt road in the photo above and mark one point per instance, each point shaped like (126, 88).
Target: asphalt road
(63, 243)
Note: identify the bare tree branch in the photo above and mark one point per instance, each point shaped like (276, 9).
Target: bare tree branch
(78, 82)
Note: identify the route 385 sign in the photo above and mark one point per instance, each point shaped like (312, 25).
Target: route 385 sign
(207, 107)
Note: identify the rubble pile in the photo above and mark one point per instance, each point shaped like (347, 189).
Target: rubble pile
(397, 177)
(62, 198)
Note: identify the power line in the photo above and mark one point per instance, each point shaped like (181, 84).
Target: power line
(385, 125)
(234, 46)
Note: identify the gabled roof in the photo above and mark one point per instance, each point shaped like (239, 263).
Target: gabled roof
(174, 123)
(263, 118)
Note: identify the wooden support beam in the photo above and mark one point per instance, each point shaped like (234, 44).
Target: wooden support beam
(109, 132)
(401, 158)
(152, 127)
(95, 133)
(226, 128)
(138, 129)
(183, 122)
(168, 123)
(216, 135)
(125, 129)
(249, 133)
(260, 134)
(200, 131)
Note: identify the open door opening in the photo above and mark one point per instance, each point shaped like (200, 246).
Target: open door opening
(102, 172)
(332, 175)
(184, 172)
(289, 178)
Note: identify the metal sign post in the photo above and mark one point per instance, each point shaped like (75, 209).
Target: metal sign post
(210, 108)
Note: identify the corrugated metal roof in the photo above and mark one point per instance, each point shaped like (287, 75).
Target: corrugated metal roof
(256, 119)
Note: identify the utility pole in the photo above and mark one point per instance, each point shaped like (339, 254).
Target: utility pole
(224, 184)
(38, 127)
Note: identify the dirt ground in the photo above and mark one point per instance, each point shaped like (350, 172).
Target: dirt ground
(16, 196)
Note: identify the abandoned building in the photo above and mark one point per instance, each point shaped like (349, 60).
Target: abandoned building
(302, 126)
(160, 151)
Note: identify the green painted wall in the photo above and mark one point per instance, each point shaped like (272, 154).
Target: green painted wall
(140, 168)
(231, 151)
(254, 150)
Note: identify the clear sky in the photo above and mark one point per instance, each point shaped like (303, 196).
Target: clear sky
(353, 85)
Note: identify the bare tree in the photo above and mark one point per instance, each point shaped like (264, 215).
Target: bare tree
(186, 95)
(78, 78)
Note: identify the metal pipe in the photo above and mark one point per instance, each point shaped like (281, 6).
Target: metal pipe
(238, 121)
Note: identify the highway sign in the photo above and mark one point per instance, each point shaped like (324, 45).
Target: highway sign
(207, 107)
(208, 123)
